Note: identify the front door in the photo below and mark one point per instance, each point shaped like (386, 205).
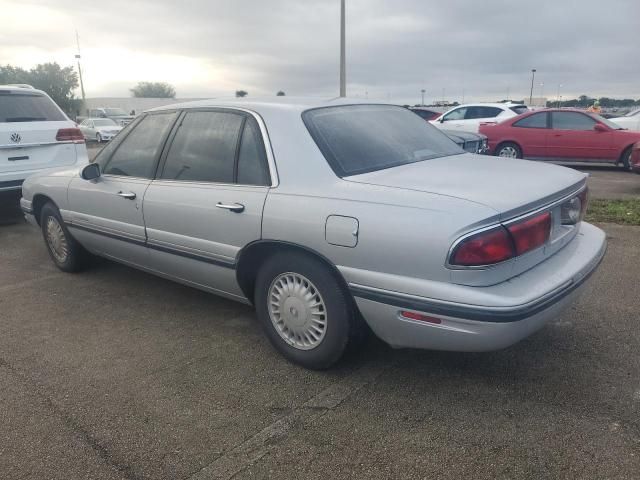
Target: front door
(207, 200)
(572, 136)
(106, 214)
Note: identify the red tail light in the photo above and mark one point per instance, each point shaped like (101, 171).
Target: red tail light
(70, 135)
(486, 248)
(503, 243)
(531, 233)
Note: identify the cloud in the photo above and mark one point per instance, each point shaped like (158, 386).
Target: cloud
(213, 47)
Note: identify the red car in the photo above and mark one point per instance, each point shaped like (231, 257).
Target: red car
(635, 158)
(561, 135)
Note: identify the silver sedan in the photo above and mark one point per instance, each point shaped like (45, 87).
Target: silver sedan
(332, 218)
(99, 129)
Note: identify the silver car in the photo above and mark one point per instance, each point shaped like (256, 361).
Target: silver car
(331, 218)
(99, 129)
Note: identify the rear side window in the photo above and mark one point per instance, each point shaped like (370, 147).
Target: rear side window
(252, 160)
(204, 148)
(537, 120)
(571, 121)
(28, 107)
(136, 155)
(363, 138)
(482, 112)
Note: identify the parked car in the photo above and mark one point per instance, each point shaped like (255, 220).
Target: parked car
(425, 113)
(99, 129)
(35, 134)
(630, 121)
(469, 117)
(563, 135)
(635, 158)
(325, 215)
(118, 115)
(469, 141)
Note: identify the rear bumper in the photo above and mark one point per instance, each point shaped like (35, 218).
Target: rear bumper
(484, 327)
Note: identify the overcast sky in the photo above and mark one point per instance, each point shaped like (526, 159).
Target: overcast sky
(206, 48)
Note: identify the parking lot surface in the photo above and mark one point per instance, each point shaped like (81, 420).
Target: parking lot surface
(116, 374)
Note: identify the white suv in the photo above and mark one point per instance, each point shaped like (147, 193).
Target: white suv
(468, 117)
(34, 135)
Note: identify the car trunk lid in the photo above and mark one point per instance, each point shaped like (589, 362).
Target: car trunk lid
(511, 187)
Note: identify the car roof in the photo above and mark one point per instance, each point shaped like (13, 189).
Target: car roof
(270, 104)
(97, 118)
(21, 87)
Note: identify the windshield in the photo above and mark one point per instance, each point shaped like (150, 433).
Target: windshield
(104, 122)
(114, 112)
(363, 138)
(28, 107)
(633, 113)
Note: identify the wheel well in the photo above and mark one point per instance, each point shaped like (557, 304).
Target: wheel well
(254, 255)
(624, 152)
(38, 202)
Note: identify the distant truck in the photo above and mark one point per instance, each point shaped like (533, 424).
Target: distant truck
(118, 115)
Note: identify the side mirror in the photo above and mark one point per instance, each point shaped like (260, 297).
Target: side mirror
(90, 172)
(441, 119)
(598, 127)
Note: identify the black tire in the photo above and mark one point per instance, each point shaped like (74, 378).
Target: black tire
(75, 258)
(508, 146)
(626, 159)
(341, 322)
(98, 138)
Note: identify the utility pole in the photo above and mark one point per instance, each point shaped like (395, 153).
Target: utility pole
(343, 62)
(423, 92)
(80, 69)
(533, 75)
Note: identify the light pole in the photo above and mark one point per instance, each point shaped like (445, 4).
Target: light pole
(343, 62)
(80, 69)
(542, 93)
(533, 76)
(423, 91)
(558, 95)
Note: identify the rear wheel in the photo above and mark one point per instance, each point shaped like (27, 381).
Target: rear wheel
(65, 251)
(626, 159)
(508, 150)
(305, 312)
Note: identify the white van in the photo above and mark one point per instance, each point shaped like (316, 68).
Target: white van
(35, 135)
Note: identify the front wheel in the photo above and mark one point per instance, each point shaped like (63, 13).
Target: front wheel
(626, 159)
(67, 254)
(98, 138)
(305, 312)
(508, 150)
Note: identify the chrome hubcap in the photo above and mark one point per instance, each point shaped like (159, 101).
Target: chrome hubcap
(297, 311)
(508, 152)
(56, 239)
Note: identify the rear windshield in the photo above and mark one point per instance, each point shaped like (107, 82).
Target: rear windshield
(27, 107)
(520, 109)
(364, 138)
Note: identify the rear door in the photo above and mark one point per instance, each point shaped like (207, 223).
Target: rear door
(29, 124)
(207, 200)
(572, 136)
(106, 214)
(532, 134)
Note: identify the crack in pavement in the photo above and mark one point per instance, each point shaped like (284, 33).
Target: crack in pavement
(81, 433)
(254, 448)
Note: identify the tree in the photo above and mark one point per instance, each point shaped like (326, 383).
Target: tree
(58, 82)
(153, 90)
(280, 94)
(241, 93)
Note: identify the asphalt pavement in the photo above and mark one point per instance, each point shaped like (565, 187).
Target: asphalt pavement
(116, 374)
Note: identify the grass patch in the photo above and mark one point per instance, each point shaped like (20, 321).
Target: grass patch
(624, 212)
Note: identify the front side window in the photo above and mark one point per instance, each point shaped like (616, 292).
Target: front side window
(204, 148)
(364, 138)
(537, 120)
(457, 114)
(571, 121)
(136, 154)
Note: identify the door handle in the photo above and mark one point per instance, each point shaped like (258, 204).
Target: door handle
(233, 207)
(128, 196)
